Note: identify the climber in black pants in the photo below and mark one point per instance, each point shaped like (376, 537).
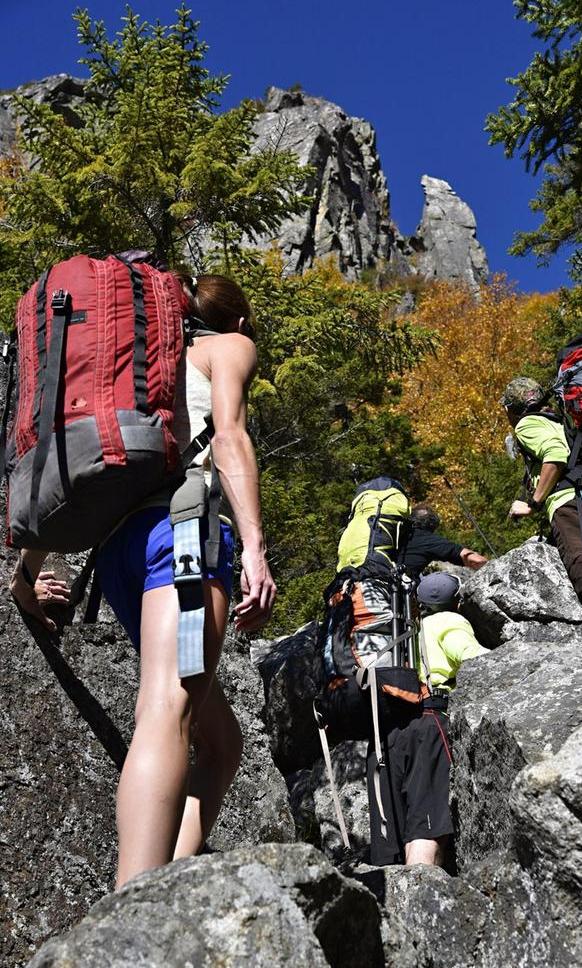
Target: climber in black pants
(415, 783)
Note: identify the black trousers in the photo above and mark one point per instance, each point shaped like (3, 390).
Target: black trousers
(414, 785)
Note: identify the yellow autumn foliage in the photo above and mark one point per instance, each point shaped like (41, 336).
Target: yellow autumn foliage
(453, 396)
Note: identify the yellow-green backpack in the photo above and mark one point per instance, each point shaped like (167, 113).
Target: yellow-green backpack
(377, 527)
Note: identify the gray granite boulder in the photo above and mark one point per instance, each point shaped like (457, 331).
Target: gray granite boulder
(269, 906)
(256, 809)
(516, 724)
(522, 927)
(292, 673)
(432, 920)
(312, 805)
(66, 707)
(521, 592)
(546, 805)
(446, 243)
(512, 707)
(429, 919)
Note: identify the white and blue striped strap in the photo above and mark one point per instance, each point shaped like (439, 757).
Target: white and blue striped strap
(188, 583)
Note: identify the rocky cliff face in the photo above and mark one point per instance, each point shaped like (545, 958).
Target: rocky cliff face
(516, 720)
(349, 216)
(64, 94)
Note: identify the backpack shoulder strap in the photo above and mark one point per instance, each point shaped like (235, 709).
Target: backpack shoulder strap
(547, 414)
(424, 657)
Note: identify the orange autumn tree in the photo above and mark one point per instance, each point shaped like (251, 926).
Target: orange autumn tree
(453, 396)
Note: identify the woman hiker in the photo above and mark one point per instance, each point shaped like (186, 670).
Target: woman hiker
(165, 809)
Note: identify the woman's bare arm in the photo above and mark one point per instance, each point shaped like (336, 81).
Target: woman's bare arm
(31, 588)
(232, 359)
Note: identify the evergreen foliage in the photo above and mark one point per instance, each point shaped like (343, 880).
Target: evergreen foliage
(561, 324)
(543, 124)
(152, 166)
(324, 415)
(454, 400)
(346, 389)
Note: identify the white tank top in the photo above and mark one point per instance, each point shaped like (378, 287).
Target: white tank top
(192, 407)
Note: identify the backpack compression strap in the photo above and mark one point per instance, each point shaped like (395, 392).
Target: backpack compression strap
(329, 770)
(61, 306)
(9, 354)
(574, 470)
(424, 658)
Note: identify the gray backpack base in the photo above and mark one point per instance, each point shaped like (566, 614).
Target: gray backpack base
(110, 491)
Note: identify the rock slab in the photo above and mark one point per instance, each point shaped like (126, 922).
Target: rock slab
(276, 905)
(525, 593)
(292, 672)
(66, 709)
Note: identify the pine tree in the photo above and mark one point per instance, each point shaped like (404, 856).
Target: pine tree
(324, 415)
(543, 124)
(152, 166)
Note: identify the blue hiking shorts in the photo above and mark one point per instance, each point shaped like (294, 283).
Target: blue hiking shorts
(138, 557)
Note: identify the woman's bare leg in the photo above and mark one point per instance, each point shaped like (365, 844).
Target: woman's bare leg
(218, 751)
(153, 785)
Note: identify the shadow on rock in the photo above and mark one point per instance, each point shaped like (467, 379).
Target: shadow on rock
(101, 724)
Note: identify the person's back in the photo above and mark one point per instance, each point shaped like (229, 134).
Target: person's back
(449, 640)
(424, 545)
(165, 810)
(548, 481)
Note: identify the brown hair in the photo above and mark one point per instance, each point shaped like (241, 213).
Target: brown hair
(218, 302)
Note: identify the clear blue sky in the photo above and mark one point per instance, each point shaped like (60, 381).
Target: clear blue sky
(425, 73)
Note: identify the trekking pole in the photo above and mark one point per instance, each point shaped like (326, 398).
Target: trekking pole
(395, 624)
(470, 517)
(410, 652)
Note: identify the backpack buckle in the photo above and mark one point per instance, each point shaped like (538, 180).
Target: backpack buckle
(183, 570)
(8, 350)
(60, 301)
(189, 327)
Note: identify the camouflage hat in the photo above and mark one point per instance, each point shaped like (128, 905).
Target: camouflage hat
(521, 394)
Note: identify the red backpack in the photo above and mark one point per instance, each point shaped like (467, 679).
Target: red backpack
(568, 386)
(98, 346)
